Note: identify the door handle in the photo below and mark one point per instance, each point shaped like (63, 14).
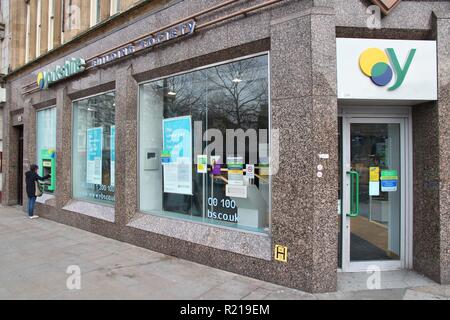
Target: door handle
(354, 194)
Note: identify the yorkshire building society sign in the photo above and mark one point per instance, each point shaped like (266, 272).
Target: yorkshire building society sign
(78, 65)
(371, 69)
(178, 31)
(70, 67)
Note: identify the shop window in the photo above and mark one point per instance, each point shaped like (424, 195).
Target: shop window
(199, 132)
(94, 149)
(46, 146)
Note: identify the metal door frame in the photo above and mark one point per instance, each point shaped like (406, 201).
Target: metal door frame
(369, 115)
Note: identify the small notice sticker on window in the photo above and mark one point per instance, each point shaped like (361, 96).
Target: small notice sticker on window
(281, 253)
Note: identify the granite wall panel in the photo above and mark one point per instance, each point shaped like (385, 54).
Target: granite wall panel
(426, 190)
(442, 30)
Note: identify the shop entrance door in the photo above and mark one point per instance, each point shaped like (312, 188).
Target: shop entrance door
(375, 180)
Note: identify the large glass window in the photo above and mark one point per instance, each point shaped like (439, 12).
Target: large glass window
(204, 145)
(94, 149)
(46, 146)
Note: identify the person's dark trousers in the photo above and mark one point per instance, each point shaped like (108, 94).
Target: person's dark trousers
(31, 202)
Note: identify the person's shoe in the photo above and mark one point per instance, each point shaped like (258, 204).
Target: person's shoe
(34, 217)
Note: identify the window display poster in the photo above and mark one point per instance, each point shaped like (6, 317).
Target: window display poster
(389, 180)
(177, 138)
(94, 155)
(263, 159)
(202, 163)
(250, 171)
(178, 178)
(177, 141)
(235, 191)
(216, 165)
(113, 156)
(374, 183)
(165, 157)
(235, 171)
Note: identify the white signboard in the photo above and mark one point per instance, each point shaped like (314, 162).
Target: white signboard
(177, 178)
(236, 191)
(250, 171)
(235, 173)
(371, 69)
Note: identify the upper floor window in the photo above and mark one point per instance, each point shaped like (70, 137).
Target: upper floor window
(95, 12)
(27, 34)
(38, 28)
(115, 7)
(51, 23)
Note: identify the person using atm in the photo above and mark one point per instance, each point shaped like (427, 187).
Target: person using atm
(31, 180)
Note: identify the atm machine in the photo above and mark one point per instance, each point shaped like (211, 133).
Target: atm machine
(47, 166)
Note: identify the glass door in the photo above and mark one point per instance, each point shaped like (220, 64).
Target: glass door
(373, 193)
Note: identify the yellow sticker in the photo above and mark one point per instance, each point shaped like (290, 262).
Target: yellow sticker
(281, 253)
(374, 174)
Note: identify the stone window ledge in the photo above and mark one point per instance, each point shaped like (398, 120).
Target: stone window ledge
(91, 209)
(47, 199)
(237, 241)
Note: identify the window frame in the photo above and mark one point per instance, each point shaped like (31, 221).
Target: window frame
(138, 153)
(105, 204)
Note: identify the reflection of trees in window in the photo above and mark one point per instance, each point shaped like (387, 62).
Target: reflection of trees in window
(98, 111)
(184, 95)
(237, 95)
(232, 96)
(102, 110)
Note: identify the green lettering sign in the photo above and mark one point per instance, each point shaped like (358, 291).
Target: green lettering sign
(70, 67)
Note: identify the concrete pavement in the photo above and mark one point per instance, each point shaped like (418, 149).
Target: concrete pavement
(35, 256)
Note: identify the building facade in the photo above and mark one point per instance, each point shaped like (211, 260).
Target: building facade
(40, 26)
(4, 63)
(283, 140)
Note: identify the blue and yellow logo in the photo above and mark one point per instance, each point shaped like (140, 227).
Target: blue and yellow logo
(70, 67)
(41, 80)
(380, 66)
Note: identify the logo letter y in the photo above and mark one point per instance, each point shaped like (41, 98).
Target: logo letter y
(400, 72)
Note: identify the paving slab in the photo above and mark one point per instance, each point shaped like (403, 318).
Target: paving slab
(35, 256)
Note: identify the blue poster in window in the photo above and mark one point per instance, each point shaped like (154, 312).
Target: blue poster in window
(113, 155)
(177, 141)
(177, 138)
(94, 155)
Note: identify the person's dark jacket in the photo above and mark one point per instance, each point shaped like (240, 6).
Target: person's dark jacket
(30, 178)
